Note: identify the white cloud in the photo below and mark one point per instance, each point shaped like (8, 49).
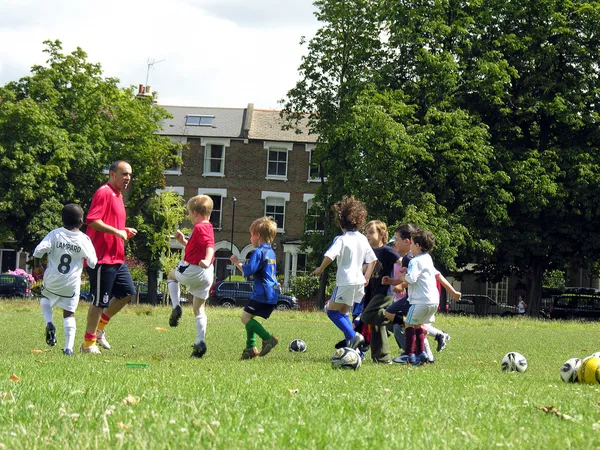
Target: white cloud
(214, 54)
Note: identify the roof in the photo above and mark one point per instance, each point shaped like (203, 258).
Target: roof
(228, 122)
(267, 125)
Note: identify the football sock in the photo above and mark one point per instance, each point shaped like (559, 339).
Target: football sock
(410, 341)
(46, 309)
(104, 319)
(257, 328)
(70, 329)
(201, 321)
(431, 330)
(250, 337)
(89, 339)
(342, 321)
(174, 292)
(419, 338)
(427, 350)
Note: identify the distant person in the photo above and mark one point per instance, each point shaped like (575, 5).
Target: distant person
(522, 305)
(196, 271)
(66, 248)
(111, 285)
(262, 266)
(350, 250)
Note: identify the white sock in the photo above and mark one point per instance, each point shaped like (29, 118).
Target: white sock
(46, 309)
(201, 322)
(431, 330)
(70, 329)
(174, 292)
(427, 349)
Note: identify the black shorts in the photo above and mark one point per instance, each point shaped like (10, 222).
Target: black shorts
(399, 307)
(108, 281)
(260, 309)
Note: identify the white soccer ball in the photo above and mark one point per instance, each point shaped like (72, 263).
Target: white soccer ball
(514, 362)
(346, 358)
(297, 345)
(569, 370)
(597, 354)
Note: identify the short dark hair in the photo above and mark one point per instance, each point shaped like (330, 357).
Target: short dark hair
(351, 213)
(114, 166)
(72, 216)
(424, 239)
(405, 230)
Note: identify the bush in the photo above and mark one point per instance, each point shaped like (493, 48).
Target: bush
(304, 286)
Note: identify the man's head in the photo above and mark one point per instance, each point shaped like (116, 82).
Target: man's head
(72, 216)
(120, 175)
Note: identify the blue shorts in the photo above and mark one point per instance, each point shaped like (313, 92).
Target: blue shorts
(399, 307)
(108, 281)
(260, 309)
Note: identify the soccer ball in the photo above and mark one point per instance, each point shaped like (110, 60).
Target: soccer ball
(346, 358)
(589, 370)
(297, 345)
(514, 362)
(569, 370)
(597, 354)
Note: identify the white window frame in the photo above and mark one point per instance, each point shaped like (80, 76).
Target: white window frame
(272, 146)
(215, 192)
(308, 198)
(207, 143)
(285, 196)
(498, 291)
(310, 148)
(178, 189)
(199, 124)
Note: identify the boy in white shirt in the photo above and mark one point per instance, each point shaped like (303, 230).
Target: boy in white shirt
(350, 250)
(66, 248)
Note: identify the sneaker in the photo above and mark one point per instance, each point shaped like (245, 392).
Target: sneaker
(442, 340)
(68, 352)
(341, 344)
(50, 334)
(402, 359)
(175, 316)
(101, 339)
(268, 345)
(93, 349)
(357, 340)
(412, 360)
(250, 353)
(420, 360)
(199, 350)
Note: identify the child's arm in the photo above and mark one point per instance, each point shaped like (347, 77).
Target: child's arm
(369, 271)
(235, 260)
(205, 263)
(38, 268)
(326, 261)
(393, 281)
(179, 237)
(446, 285)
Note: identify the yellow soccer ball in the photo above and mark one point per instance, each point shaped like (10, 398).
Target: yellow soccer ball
(589, 371)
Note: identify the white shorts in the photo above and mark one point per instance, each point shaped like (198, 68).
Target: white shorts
(195, 278)
(348, 295)
(421, 314)
(66, 303)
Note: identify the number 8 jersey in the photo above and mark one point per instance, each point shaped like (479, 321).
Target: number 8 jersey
(66, 251)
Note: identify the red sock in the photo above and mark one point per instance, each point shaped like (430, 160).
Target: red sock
(420, 340)
(410, 341)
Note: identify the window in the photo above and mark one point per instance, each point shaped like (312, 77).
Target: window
(302, 264)
(313, 219)
(313, 167)
(175, 169)
(217, 195)
(214, 156)
(275, 207)
(199, 120)
(277, 159)
(498, 291)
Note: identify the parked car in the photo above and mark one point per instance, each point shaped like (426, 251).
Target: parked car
(480, 305)
(576, 303)
(237, 293)
(142, 289)
(14, 286)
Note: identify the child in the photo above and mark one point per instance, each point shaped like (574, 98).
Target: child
(350, 250)
(196, 270)
(423, 295)
(262, 265)
(66, 248)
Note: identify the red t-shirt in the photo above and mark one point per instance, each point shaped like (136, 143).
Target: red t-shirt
(107, 206)
(202, 237)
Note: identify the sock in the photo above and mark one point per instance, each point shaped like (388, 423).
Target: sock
(104, 319)
(427, 350)
(342, 321)
(174, 292)
(70, 328)
(419, 338)
(89, 339)
(201, 321)
(250, 336)
(46, 309)
(431, 330)
(410, 340)
(257, 328)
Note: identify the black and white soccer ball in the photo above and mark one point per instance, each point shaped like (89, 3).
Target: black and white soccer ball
(569, 370)
(514, 362)
(346, 358)
(297, 345)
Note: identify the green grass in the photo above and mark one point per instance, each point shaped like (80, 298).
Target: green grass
(289, 400)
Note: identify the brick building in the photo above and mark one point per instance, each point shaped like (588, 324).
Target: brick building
(243, 159)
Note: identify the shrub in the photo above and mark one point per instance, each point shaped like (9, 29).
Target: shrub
(304, 286)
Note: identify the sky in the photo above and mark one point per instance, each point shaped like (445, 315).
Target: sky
(224, 53)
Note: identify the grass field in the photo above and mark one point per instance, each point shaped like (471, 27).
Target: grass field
(289, 400)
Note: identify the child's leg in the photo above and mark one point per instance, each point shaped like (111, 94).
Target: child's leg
(338, 314)
(70, 327)
(410, 340)
(419, 339)
(201, 319)
(399, 335)
(47, 314)
(431, 330)
(174, 292)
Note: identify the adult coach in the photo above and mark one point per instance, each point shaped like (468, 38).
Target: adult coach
(111, 286)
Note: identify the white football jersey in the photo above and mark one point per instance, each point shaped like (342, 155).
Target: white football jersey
(66, 251)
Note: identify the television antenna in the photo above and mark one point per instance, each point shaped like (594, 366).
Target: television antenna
(150, 63)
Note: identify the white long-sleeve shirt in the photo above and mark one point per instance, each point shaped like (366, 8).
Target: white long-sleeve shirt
(422, 286)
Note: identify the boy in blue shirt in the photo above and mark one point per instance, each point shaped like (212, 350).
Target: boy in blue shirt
(262, 265)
